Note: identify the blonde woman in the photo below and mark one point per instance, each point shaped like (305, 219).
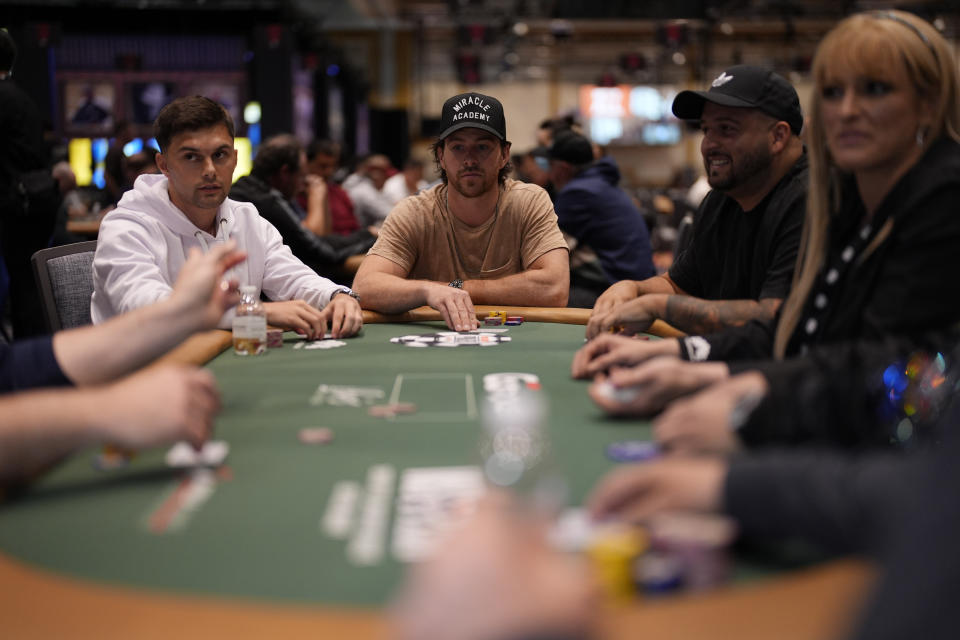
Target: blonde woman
(878, 256)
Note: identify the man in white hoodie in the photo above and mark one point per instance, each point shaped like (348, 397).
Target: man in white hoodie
(144, 242)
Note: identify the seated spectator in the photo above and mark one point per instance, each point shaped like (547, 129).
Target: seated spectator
(275, 179)
(365, 188)
(140, 163)
(115, 163)
(600, 216)
(329, 208)
(407, 182)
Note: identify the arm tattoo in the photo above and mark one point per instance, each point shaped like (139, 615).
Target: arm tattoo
(697, 316)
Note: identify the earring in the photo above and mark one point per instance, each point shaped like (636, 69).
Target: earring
(920, 136)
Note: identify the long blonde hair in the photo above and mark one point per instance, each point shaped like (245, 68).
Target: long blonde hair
(872, 44)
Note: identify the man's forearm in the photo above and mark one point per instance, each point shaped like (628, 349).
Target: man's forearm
(697, 316)
(531, 288)
(104, 352)
(386, 293)
(318, 215)
(656, 284)
(40, 428)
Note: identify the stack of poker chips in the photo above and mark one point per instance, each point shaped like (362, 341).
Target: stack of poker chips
(500, 317)
(613, 552)
(689, 551)
(274, 338)
(671, 552)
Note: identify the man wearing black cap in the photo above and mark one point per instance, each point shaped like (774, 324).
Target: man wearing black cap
(476, 238)
(601, 218)
(739, 262)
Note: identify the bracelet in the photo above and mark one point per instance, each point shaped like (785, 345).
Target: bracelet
(456, 284)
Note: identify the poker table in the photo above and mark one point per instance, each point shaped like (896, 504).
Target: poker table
(249, 549)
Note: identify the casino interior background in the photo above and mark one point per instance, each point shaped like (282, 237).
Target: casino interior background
(373, 74)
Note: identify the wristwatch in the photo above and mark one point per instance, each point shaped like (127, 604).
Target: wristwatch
(349, 292)
(456, 284)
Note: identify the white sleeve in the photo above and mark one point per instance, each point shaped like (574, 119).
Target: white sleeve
(126, 269)
(285, 277)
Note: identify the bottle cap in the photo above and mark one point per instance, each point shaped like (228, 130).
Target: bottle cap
(249, 290)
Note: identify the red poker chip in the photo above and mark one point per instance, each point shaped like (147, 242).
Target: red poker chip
(315, 435)
(391, 410)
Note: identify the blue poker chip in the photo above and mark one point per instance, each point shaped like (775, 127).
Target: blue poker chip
(633, 451)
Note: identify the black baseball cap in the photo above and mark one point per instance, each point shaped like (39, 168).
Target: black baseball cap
(473, 110)
(571, 147)
(748, 86)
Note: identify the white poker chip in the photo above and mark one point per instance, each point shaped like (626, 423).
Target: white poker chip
(623, 395)
(212, 454)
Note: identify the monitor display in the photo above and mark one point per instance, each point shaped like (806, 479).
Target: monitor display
(88, 107)
(624, 114)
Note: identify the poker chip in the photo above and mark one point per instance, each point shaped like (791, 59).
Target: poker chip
(622, 395)
(391, 410)
(613, 551)
(274, 338)
(315, 435)
(699, 543)
(633, 451)
(657, 572)
(111, 458)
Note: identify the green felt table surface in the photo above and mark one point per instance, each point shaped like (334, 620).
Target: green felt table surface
(257, 531)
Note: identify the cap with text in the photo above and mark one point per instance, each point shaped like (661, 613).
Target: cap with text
(473, 110)
(746, 86)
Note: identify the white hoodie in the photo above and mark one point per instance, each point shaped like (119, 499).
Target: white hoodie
(144, 241)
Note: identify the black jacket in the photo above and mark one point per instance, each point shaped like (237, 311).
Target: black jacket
(323, 254)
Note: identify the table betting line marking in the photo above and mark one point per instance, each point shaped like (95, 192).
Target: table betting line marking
(174, 509)
(366, 548)
(421, 415)
(338, 518)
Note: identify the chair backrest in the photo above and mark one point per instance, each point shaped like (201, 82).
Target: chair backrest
(65, 279)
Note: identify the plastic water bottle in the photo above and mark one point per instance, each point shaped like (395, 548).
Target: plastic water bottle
(515, 448)
(250, 323)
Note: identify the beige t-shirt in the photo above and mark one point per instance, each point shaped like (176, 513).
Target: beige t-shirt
(423, 237)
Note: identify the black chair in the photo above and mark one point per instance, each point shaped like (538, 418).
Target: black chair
(65, 280)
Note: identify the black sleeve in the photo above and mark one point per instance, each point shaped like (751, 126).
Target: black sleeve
(855, 394)
(320, 253)
(785, 244)
(839, 503)
(917, 594)
(684, 271)
(753, 340)
(919, 272)
(30, 364)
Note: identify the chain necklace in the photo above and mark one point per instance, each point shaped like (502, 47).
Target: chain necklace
(456, 245)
